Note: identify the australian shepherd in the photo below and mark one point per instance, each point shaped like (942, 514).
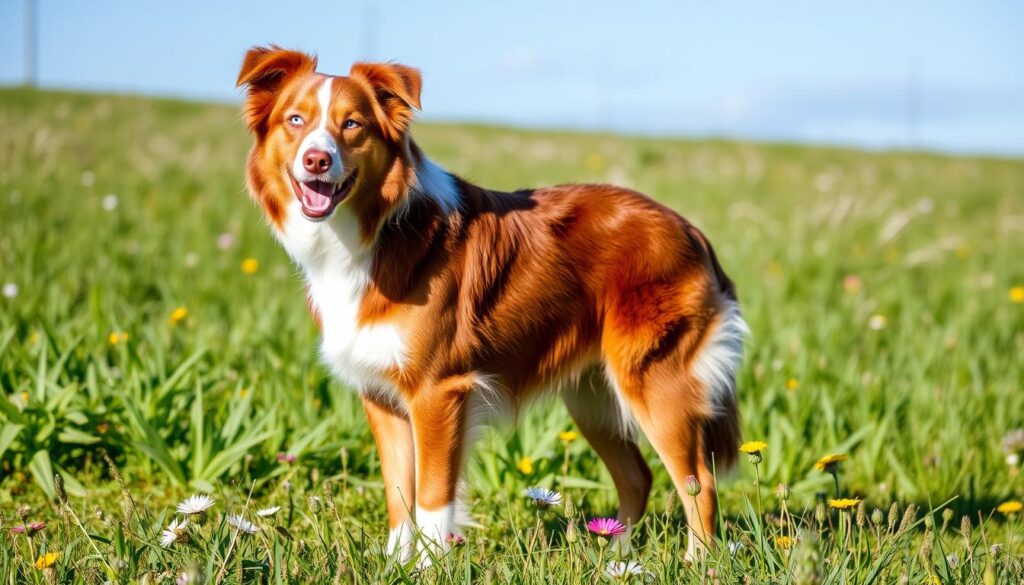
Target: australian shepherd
(441, 301)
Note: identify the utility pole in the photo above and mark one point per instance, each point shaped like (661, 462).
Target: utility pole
(31, 43)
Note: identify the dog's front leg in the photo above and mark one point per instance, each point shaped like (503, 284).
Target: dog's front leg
(393, 433)
(438, 414)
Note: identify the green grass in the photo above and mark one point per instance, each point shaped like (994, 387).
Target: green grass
(818, 240)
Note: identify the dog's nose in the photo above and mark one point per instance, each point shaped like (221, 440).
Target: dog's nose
(316, 161)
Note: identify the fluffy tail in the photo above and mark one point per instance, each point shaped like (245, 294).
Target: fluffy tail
(716, 367)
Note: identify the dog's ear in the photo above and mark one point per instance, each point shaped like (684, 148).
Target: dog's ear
(396, 89)
(264, 71)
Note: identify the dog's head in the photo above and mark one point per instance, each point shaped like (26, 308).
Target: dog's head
(324, 140)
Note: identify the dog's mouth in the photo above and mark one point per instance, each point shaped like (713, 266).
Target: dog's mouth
(319, 198)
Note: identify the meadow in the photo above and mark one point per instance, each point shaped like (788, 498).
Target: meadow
(154, 344)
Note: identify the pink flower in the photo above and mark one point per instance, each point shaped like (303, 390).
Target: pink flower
(286, 458)
(31, 528)
(455, 540)
(606, 527)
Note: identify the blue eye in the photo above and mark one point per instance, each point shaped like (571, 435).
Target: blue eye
(296, 120)
(350, 123)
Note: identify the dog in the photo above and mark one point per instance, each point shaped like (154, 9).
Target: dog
(442, 302)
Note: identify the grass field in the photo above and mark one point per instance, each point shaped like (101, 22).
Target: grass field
(148, 314)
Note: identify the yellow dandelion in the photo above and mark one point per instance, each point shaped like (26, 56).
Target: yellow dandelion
(753, 447)
(178, 315)
(46, 561)
(250, 265)
(24, 397)
(117, 337)
(792, 384)
(829, 462)
(1011, 507)
(243, 393)
(784, 542)
(525, 465)
(568, 436)
(843, 503)
(595, 162)
(1017, 294)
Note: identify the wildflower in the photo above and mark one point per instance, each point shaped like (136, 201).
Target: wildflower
(37, 526)
(242, 524)
(606, 527)
(782, 492)
(195, 505)
(852, 283)
(525, 465)
(117, 337)
(19, 529)
(829, 463)
(792, 384)
(620, 569)
(843, 503)
(288, 458)
(568, 436)
(753, 447)
(734, 547)
(784, 542)
(543, 497)
(174, 531)
(178, 315)
(1017, 294)
(1011, 507)
(110, 202)
(877, 322)
(226, 241)
(691, 485)
(268, 511)
(46, 561)
(250, 265)
(455, 540)
(10, 290)
(753, 450)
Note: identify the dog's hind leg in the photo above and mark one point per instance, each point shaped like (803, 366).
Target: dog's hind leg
(595, 408)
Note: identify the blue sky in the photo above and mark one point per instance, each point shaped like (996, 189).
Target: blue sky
(935, 74)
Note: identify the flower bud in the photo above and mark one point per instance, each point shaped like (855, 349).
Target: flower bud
(877, 517)
(691, 485)
(782, 492)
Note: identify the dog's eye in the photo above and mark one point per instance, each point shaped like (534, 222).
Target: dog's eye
(296, 120)
(350, 123)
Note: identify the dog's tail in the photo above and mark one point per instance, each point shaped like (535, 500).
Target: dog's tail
(716, 366)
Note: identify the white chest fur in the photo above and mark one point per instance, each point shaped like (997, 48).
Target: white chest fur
(337, 271)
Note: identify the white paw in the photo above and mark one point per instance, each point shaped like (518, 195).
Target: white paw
(434, 528)
(400, 541)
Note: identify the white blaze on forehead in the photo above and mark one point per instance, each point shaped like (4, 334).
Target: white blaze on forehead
(320, 139)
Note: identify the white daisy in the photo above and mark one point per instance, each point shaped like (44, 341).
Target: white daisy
(110, 202)
(10, 290)
(242, 524)
(195, 505)
(174, 531)
(619, 569)
(543, 497)
(268, 511)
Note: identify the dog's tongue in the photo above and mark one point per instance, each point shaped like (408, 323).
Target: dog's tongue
(316, 195)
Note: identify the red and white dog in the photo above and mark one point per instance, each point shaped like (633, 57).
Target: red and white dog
(440, 300)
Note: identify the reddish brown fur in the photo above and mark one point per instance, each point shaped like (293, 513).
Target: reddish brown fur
(524, 287)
